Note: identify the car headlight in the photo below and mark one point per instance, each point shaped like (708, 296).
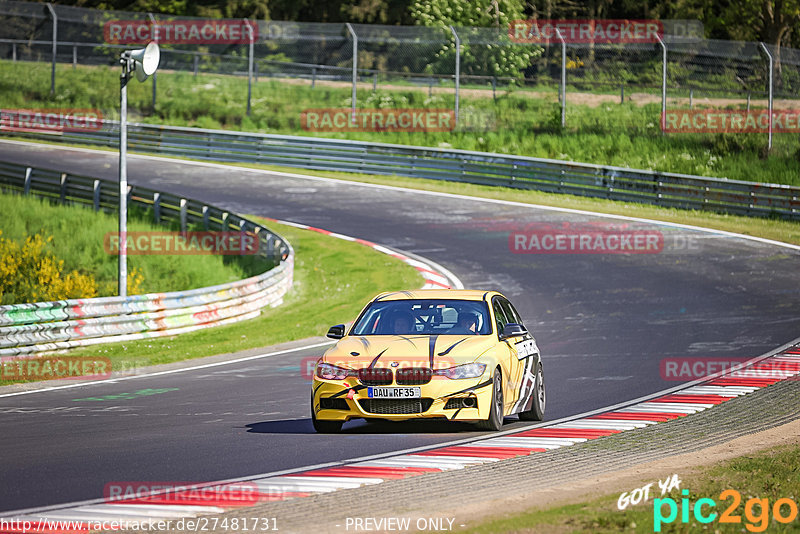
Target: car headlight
(327, 371)
(468, 370)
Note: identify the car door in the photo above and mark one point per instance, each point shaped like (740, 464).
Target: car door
(525, 358)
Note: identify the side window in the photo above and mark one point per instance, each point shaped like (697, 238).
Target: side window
(511, 312)
(499, 316)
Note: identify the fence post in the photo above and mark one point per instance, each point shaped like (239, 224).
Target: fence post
(96, 196)
(249, 65)
(196, 63)
(352, 33)
(769, 55)
(563, 78)
(458, 71)
(55, 41)
(183, 215)
(74, 57)
(155, 33)
(122, 257)
(157, 207)
(62, 198)
(313, 76)
(28, 176)
(663, 84)
(14, 52)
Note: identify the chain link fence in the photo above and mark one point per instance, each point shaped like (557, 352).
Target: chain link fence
(448, 63)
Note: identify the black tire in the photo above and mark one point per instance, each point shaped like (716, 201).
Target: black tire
(536, 413)
(324, 427)
(495, 419)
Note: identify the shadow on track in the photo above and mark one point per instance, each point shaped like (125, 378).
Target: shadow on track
(303, 426)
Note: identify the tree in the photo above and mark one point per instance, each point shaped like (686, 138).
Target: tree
(491, 53)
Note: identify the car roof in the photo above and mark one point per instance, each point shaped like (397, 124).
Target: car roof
(455, 294)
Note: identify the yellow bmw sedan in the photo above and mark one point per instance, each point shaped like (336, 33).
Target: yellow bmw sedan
(460, 355)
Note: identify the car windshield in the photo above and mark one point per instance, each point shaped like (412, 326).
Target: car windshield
(429, 316)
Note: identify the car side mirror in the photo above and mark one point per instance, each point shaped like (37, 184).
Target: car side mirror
(336, 332)
(513, 330)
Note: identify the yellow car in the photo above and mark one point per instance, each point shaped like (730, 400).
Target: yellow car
(460, 355)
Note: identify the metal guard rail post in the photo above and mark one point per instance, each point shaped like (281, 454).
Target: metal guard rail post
(553, 176)
(29, 328)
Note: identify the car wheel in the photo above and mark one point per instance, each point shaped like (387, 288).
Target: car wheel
(324, 427)
(536, 413)
(495, 419)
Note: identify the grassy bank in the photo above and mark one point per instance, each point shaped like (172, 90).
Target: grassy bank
(83, 250)
(770, 475)
(333, 279)
(521, 122)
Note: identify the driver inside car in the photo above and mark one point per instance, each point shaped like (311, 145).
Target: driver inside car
(467, 324)
(403, 323)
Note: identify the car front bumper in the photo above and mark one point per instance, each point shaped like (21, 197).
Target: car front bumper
(342, 400)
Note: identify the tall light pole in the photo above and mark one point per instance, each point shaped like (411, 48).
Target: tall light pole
(143, 62)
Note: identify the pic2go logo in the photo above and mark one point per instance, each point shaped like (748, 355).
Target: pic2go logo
(756, 511)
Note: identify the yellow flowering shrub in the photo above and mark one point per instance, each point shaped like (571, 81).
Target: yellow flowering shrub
(135, 280)
(29, 273)
(574, 63)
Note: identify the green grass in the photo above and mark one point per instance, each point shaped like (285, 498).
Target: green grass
(771, 475)
(333, 279)
(625, 135)
(83, 250)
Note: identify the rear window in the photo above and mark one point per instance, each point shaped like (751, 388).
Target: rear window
(410, 317)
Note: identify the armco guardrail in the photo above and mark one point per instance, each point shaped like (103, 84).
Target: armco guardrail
(30, 328)
(616, 183)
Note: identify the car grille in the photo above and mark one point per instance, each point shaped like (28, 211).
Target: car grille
(414, 376)
(375, 377)
(453, 404)
(395, 406)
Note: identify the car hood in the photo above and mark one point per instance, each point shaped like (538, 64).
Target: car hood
(439, 352)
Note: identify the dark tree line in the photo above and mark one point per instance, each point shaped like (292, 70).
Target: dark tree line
(773, 21)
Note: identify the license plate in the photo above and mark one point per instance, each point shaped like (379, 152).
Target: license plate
(393, 393)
